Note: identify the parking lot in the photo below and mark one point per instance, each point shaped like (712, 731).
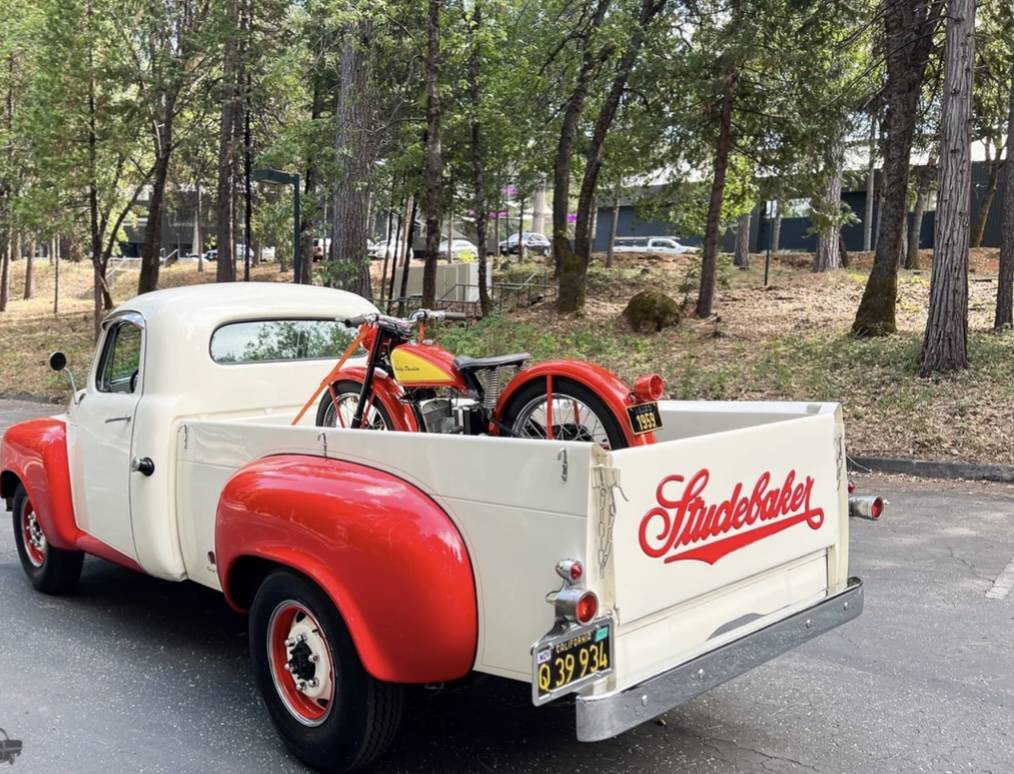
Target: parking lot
(137, 674)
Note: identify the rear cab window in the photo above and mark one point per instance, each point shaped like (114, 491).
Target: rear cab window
(273, 341)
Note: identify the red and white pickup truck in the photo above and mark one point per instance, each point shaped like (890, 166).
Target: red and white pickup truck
(635, 578)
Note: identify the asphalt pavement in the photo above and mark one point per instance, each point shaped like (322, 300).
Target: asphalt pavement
(132, 674)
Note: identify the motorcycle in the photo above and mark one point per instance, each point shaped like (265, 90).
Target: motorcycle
(411, 384)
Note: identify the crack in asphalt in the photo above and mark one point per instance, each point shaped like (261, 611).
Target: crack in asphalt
(971, 567)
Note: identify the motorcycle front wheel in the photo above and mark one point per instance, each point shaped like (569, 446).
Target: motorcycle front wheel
(578, 414)
(339, 411)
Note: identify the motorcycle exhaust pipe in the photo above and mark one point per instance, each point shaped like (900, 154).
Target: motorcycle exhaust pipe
(866, 507)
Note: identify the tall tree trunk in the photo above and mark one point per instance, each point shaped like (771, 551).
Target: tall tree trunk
(151, 249)
(406, 229)
(350, 205)
(945, 346)
(562, 249)
(909, 27)
(871, 183)
(741, 254)
(1005, 284)
(198, 238)
(98, 266)
(915, 230)
(828, 255)
(709, 254)
(5, 271)
(29, 260)
(477, 152)
(225, 270)
(56, 278)
(979, 229)
(248, 253)
(434, 160)
(611, 247)
(573, 266)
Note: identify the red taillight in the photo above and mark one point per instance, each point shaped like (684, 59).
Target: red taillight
(876, 508)
(576, 571)
(587, 607)
(648, 388)
(852, 486)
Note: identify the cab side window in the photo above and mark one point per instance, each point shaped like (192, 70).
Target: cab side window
(121, 360)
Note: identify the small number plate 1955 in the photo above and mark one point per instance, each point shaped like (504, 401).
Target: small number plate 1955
(644, 418)
(566, 662)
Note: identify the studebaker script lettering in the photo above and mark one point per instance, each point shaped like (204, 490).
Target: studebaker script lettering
(688, 519)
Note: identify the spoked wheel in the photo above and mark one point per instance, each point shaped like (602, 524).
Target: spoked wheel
(575, 413)
(50, 569)
(329, 711)
(339, 412)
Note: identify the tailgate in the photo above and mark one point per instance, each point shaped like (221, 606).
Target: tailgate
(717, 534)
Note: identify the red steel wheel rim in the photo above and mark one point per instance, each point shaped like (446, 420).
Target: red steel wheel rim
(301, 663)
(32, 535)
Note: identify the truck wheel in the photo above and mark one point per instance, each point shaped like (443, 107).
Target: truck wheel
(330, 712)
(51, 570)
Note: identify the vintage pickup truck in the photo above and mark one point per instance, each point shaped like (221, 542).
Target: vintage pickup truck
(368, 561)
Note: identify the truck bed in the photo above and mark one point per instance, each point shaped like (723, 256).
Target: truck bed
(522, 505)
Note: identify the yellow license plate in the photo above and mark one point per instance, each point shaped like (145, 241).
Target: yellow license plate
(565, 663)
(644, 418)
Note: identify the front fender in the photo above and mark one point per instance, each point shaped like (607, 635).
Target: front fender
(389, 393)
(36, 453)
(389, 557)
(607, 385)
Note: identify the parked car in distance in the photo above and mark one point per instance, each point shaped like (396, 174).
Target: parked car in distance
(657, 245)
(460, 248)
(534, 242)
(212, 255)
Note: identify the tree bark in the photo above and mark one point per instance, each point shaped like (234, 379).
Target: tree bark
(871, 184)
(909, 27)
(151, 248)
(741, 254)
(979, 229)
(562, 249)
(29, 260)
(409, 239)
(5, 273)
(350, 204)
(709, 254)
(573, 265)
(945, 345)
(56, 278)
(434, 159)
(477, 153)
(225, 266)
(1005, 284)
(924, 181)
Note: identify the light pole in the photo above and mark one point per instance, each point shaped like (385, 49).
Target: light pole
(277, 177)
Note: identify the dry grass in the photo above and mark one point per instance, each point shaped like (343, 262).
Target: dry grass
(789, 341)
(29, 330)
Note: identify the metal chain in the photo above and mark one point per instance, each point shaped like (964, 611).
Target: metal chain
(606, 483)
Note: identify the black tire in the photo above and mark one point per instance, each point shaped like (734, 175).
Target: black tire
(340, 388)
(365, 713)
(565, 388)
(51, 570)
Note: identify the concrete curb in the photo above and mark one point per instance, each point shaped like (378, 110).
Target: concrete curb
(932, 469)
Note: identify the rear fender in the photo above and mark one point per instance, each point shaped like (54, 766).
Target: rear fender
(389, 557)
(609, 387)
(389, 393)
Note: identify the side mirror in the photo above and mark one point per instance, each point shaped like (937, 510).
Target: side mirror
(58, 362)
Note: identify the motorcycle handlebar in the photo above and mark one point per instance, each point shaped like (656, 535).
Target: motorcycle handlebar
(417, 316)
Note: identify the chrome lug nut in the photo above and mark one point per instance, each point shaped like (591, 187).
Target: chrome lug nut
(314, 658)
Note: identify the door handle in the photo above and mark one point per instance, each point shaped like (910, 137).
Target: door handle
(142, 465)
(117, 419)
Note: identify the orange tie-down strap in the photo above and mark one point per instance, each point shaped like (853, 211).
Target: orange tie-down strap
(331, 376)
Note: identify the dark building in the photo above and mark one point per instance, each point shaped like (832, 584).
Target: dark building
(795, 227)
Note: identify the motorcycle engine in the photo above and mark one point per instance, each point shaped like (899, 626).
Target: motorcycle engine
(444, 415)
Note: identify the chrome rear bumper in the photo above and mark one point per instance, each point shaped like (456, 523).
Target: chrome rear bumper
(606, 716)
